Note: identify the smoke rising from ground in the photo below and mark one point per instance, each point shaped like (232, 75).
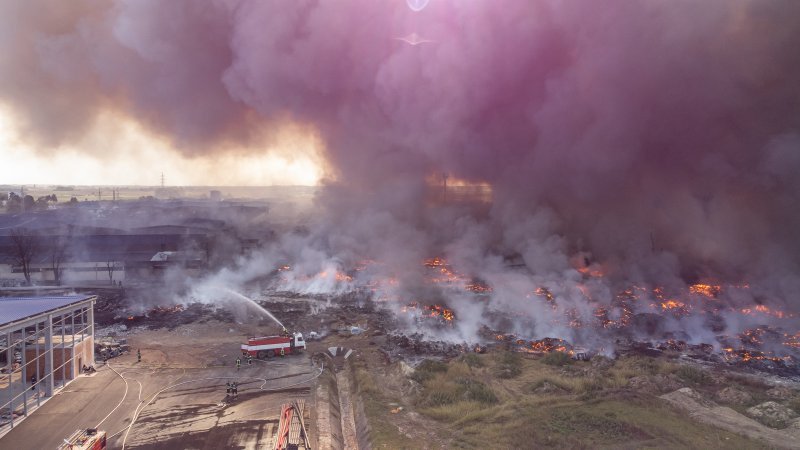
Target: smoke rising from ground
(655, 141)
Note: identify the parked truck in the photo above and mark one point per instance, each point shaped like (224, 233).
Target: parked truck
(87, 439)
(269, 346)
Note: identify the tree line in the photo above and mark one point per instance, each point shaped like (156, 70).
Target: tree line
(17, 203)
(28, 246)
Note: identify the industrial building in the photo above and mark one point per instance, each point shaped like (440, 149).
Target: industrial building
(102, 259)
(44, 344)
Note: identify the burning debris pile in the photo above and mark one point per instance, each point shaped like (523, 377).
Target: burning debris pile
(699, 320)
(165, 316)
(416, 345)
(762, 347)
(429, 314)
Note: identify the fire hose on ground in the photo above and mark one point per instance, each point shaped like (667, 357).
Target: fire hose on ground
(138, 411)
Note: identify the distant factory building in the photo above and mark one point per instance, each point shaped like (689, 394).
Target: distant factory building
(44, 344)
(104, 259)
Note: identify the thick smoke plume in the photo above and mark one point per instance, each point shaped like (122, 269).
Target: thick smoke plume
(655, 142)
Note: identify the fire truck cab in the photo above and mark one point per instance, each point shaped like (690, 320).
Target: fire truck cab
(88, 439)
(269, 346)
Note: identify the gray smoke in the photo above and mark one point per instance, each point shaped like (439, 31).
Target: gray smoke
(654, 141)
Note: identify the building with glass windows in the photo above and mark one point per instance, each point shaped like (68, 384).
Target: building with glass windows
(45, 342)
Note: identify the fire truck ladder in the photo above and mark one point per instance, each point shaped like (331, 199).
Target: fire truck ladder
(292, 433)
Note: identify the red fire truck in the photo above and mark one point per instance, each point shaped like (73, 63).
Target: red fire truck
(269, 346)
(88, 439)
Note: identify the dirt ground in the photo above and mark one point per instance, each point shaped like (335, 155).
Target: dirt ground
(384, 395)
(174, 398)
(709, 412)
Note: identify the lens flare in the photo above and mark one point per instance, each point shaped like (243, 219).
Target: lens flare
(417, 5)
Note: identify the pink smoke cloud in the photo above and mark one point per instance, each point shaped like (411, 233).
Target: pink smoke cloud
(654, 131)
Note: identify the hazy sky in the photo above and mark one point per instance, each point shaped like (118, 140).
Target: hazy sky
(135, 157)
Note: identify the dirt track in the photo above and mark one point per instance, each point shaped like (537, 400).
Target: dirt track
(708, 412)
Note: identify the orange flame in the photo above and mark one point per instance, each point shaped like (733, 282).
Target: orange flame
(706, 290)
(672, 304)
(591, 271)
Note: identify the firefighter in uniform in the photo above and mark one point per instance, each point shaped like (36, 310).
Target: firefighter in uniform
(238, 363)
(283, 352)
(228, 388)
(249, 359)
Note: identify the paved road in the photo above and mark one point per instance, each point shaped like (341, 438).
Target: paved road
(192, 414)
(82, 404)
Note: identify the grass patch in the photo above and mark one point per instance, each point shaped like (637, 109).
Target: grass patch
(473, 360)
(586, 387)
(642, 365)
(440, 392)
(382, 434)
(477, 391)
(748, 381)
(428, 369)
(364, 383)
(601, 423)
(693, 375)
(794, 404)
(585, 411)
(603, 427)
(557, 359)
(508, 365)
(460, 412)
(458, 369)
(590, 385)
(445, 390)
(567, 384)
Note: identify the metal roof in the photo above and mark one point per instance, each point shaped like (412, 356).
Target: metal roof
(13, 309)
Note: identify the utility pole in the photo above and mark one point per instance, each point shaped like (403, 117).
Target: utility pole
(162, 180)
(99, 194)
